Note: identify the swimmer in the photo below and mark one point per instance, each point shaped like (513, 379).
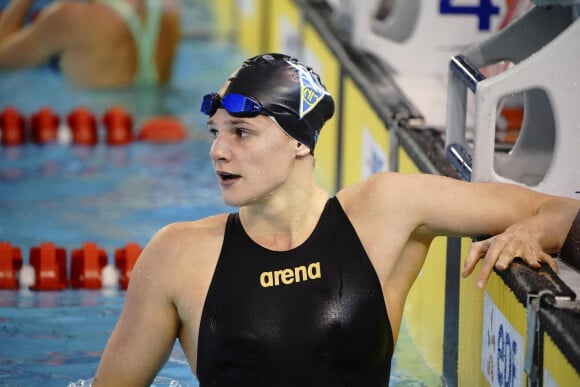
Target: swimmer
(299, 287)
(97, 43)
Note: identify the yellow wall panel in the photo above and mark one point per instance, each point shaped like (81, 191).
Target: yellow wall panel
(224, 12)
(318, 56)
(285, 27)
(365, 139)
(473, 321)
(406, 164)
(558, 369)
(252, 25)
(470, 327)
(425, 306)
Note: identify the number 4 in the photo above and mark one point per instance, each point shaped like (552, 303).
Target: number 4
(484, 11)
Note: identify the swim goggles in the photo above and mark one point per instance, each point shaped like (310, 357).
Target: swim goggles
(237, 105)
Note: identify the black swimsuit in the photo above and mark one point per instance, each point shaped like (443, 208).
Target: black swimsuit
(311, 316)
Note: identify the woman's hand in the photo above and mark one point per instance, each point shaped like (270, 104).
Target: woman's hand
(499, 251)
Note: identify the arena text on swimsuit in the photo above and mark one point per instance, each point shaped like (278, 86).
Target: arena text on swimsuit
(290, 276)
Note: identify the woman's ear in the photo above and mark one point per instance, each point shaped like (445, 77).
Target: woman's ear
(301, 149)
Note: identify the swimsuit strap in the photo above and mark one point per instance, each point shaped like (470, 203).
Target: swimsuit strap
(148, 43)
(145, 37)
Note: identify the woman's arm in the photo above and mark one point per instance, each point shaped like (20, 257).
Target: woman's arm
(55, 29)
(13, 17)
(524, 223)
(147, 327)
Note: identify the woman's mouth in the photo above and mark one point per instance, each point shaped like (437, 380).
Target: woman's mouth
(227, 178)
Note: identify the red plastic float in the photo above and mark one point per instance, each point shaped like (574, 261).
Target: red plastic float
(162, 129)
(44, 126)
(83, 126)
(12, 127)
(125, 259)
(86, 266)
(513, 118)
(49, 263)
(10, 264)
(119, 126)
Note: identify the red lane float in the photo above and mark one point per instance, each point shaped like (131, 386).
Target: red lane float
(44, 126)
(125, 259)
(10, 264)
(119, 126)
(47, 269)
(83, 127)
(12, 127)
(162, 130)
(49, 264)
(87, 264)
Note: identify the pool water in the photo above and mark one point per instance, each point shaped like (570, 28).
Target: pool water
(108, 195)
(56, 338)
(111, 195)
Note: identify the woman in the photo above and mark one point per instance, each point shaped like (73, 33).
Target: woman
(299, 288)
(96, 43)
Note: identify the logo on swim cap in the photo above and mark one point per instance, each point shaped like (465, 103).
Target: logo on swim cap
(311, 91)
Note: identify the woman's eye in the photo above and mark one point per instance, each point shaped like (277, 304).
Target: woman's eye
(242, 132)
(213, 133)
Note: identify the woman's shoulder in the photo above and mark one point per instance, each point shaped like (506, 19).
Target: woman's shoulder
(210, 227)
(371, 190)
(186, 244)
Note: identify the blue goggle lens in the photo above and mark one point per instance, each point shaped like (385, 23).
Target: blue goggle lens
(235, 104)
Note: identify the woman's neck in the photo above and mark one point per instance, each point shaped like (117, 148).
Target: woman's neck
(285, 222)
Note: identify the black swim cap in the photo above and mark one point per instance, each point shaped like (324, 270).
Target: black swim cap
(291, 92)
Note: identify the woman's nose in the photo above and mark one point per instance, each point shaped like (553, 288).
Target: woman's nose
(219, 149)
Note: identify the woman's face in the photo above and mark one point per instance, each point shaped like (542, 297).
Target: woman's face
(252, 157)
